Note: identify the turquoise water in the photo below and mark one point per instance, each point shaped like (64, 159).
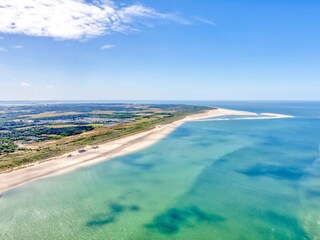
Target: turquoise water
(243, 179)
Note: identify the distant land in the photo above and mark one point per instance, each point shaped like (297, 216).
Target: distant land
(35, 131)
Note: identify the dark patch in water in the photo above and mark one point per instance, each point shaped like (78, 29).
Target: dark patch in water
(134, 163)
(274, 171)
(219, 162)
(169, 222)
(313, 193)
(173, 219)
(134, 208)
(115, 210)
(204, 144)
(202, 216)
(286, 227)
(181, 132)
(100, 220)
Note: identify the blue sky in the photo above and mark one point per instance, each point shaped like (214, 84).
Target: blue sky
(160, 50)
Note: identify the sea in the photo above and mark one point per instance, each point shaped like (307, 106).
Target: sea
(229, 179)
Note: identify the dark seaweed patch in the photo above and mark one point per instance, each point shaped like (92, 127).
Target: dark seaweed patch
(170, 221)
(134, 208)
(274, 171)
(115, 210)
(173, 219)
(100, 220)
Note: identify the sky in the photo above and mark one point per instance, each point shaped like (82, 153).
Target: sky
(160, 50)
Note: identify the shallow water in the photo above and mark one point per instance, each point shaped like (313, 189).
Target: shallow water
(244, 179)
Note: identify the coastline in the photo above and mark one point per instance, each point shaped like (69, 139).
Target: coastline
(108, 151)
(252, 116)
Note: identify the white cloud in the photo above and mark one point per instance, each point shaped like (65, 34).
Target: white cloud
(50, 86)
(2, 49)
(74, 19)
(17, 46)
(25, 84)
(107, 46)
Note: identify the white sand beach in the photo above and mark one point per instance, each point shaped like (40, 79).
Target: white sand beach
(250, 116)
(107, 151)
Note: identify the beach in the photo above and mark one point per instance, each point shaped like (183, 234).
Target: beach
(107, 151)
(203, 171)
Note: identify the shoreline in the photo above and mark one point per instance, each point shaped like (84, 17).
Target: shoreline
(108, 151)
(253, 116)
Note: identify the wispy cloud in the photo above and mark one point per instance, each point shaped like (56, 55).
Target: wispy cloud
(2, 49)
(17, 46)
(205, 21)
(75, 19)
(25, 84)
(134, 12)
(107, 46)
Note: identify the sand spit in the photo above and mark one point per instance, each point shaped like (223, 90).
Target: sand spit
(107, 151)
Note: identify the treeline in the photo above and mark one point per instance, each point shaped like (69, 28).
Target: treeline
(70, 107)
(116, 115)
(7, 146)
(11, 125)
(38, 133)
(67, 131)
